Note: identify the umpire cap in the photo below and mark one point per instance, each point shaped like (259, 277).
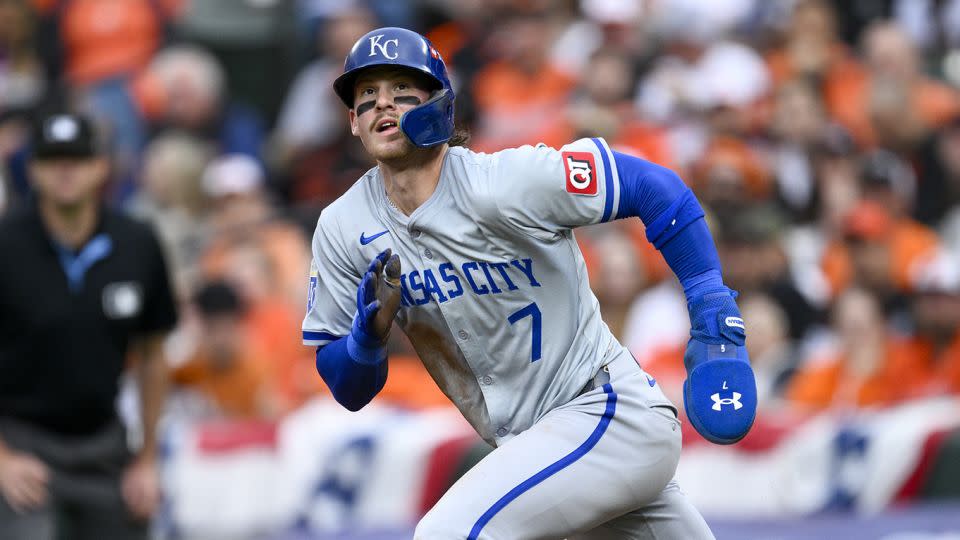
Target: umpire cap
(64, 135)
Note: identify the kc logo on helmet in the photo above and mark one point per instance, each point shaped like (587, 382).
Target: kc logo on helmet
(719, 403)
(375, 45)
(581, 173)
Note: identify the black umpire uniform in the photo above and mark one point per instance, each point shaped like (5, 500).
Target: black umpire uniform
(68, 317)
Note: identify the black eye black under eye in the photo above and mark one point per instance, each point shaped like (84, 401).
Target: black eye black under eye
(365, 106)
(399, 100)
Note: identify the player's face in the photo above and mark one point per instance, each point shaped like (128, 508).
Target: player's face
(69, 182)
(381, 96)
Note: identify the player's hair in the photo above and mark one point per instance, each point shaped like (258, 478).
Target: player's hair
(461, 137)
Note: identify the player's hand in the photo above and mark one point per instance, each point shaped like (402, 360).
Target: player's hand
(141, 487)
(720, 393)
(378, 298)
(23, 481)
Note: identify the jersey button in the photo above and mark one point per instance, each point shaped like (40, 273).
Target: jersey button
(502, 432)
(417, 233)
(463, 334)
(427, 253)
(487, 379)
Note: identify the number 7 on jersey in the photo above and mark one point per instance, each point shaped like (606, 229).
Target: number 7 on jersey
(533, 312)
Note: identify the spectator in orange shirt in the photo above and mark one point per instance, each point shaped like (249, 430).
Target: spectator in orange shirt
(267, 258)
(269, 322)
(888, 101)
(878, 253)
(225, 369)
(730, 175)
(241, 212)
(97, 47)
(891, 55)
(813, 51)
(881, 246)
(520, 97)
(603, 107)
(871, 367)
(107, 39)
(936, 311)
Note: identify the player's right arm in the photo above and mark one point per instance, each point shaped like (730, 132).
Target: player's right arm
(351, 354)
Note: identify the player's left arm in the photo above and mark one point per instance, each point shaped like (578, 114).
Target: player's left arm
(720, 394)
(545, 192)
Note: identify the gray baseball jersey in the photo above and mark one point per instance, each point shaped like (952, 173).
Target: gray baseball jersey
(496, 299)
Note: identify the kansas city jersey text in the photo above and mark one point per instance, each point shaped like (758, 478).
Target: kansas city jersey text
(447, 282)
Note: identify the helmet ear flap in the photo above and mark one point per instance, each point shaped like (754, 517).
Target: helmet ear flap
(431, 123)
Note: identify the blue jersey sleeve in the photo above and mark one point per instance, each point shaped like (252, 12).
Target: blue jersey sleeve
(353, 379)
(674, 220)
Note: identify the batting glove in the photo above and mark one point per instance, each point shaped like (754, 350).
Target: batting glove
(378, 300)
(720, 393)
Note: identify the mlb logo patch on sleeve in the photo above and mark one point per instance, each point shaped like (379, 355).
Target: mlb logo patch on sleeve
(581, 173)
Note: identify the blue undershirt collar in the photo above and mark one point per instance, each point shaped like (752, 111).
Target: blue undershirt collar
(76, 263)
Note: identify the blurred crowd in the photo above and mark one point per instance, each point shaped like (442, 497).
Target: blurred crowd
(823, 139)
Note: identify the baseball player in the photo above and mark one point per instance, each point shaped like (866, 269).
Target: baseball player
(474, 257)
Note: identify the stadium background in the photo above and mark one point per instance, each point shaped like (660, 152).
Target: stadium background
(822, 137)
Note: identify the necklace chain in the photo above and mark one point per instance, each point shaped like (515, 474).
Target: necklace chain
(391, 203)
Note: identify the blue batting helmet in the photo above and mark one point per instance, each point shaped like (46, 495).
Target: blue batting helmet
(427, 124)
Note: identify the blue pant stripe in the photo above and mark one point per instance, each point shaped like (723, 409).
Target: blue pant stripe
(551, 469)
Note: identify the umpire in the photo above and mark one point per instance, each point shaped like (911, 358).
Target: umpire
(83, 290)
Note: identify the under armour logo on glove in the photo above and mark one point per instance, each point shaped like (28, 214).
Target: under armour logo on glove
(716, 353)
(719, 403)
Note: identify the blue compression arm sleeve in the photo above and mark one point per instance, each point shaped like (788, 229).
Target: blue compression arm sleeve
(353, 372)
(674, 221)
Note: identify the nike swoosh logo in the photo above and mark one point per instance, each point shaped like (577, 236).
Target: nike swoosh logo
(651, 381)
(367, 239)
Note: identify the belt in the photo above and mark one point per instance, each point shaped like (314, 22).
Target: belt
(619, 366)
(600, 378)
(622, 365)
